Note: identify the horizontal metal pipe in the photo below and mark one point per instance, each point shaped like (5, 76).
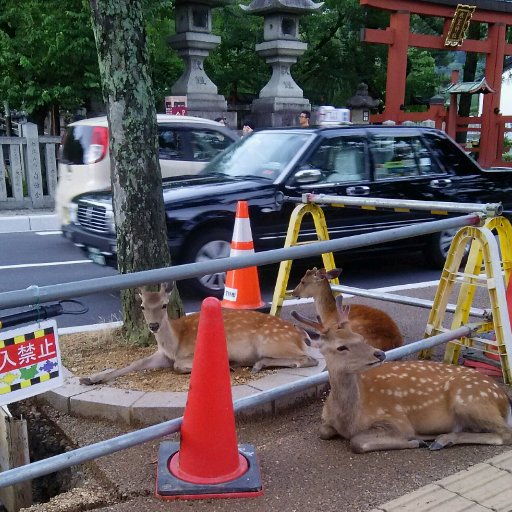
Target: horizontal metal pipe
(93, 451)
(444, 206)
(411, 348)
(402, 299)
(38, 295)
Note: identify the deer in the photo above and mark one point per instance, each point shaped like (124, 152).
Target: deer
(376, 326)
(253, 339)
(379, 405)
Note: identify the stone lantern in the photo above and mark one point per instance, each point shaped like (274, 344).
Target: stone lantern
(193, 41)
(281, 100)
(361, 104)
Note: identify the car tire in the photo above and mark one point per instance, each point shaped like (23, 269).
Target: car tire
(438, 247)
(208, 245)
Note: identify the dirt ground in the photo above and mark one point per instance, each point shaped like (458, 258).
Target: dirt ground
(90, 352)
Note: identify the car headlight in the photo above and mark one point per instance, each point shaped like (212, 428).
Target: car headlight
(72, 210)
(109, 220)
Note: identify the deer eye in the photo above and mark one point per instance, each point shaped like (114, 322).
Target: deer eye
(341, 348)
(142, 307)
(164, 306)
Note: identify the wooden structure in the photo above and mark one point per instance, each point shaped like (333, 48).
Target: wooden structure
(398, 36)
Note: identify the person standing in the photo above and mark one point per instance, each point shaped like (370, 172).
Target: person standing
(304, 118)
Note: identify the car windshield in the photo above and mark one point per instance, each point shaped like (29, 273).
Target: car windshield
(261, 155)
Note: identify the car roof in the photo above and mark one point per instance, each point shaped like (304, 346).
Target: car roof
(161, 119)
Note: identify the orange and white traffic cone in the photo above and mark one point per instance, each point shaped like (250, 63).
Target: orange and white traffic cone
(208, 462)
(242, 290)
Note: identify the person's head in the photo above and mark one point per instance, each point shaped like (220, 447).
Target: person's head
(247, 126)
(304, 117)
(220, 120)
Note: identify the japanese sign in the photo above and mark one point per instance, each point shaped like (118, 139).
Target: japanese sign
(459, 25)
(176, 105)
(29, 361)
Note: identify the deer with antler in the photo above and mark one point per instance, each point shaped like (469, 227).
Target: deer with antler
(381, 405)
(376, 326)
(253, 339)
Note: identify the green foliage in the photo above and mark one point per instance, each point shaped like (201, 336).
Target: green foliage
(234, 66)
(422, 79)
(47, 54)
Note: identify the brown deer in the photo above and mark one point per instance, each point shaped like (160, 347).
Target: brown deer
(376, 326)
(253, 339)
(397, 405)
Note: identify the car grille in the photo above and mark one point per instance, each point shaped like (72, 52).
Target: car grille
(92, 217)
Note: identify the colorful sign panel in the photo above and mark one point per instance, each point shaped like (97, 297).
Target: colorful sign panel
(29, 361)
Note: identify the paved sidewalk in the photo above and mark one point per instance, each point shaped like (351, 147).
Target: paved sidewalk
(15, 221)
(486, 486)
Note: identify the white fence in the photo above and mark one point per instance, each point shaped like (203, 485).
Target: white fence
(28, 169)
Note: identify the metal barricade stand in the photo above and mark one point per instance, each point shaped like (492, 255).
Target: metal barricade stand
(489, 266)
(484, 252)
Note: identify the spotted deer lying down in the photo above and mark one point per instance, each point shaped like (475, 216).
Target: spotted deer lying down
(376, 326)
(381, 405)
(253, 339)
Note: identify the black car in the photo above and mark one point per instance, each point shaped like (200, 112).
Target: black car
(367, 161)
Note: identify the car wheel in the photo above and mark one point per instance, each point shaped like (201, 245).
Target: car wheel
(206, 246)
(438, 247)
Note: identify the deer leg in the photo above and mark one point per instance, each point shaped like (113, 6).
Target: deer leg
(297, 362)
(453, 438)
(183, 365)
(156, 360)
(374, 440)
(326, 432)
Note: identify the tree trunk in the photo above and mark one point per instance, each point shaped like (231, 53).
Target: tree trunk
(133, 141)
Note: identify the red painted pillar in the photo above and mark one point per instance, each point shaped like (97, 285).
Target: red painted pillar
(451, 124)
(489, 142)
(397, 64)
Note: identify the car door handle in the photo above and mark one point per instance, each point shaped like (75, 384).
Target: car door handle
(358, 190)
(441, 183)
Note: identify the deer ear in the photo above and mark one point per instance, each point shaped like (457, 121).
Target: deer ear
(343, 311)
(333, 274)
(167, 287)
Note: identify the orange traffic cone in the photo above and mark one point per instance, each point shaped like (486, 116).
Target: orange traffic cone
(242, 289)
(208, 463)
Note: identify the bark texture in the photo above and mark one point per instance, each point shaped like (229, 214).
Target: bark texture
(133, 138)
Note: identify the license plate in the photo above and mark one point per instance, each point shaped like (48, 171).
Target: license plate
(96, 256)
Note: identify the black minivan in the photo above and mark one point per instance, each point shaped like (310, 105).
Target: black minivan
(371, 161)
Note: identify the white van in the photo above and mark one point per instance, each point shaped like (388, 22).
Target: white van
(186, 144)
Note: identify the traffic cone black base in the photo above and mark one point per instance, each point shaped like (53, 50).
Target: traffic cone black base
(170, 487)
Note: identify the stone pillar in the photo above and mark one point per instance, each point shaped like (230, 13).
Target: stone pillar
(193, 42)
(281, 100)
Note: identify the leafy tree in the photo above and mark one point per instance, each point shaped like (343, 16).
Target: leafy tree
(47, 56)
(422, 78)
(133, 142)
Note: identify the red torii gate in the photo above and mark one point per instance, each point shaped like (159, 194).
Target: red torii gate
(496, 13)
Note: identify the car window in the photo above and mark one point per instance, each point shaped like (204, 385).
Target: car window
(450, 155)
(401, 157)
(261, 155)
(206, 144)
(340, 159)
(171, 143)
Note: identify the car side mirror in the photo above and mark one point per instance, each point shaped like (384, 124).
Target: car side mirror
(305, 176)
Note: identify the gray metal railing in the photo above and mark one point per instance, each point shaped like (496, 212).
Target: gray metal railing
(37, 295)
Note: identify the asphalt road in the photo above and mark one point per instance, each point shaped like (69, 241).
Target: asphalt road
(46, 258)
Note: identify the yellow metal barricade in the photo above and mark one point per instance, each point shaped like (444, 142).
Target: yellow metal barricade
(488, 266)
(292, 236)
